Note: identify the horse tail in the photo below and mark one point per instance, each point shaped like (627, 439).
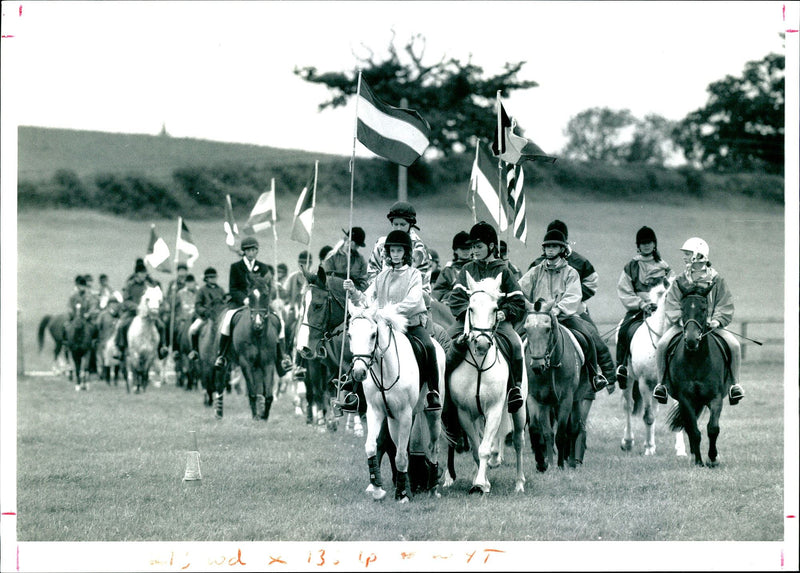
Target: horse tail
(42, 328)
(638, 403)
(675, 417)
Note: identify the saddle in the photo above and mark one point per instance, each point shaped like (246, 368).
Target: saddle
(579, 342)
(422, 357)
(713, 338)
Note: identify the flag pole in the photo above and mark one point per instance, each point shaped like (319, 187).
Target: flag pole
(349, 235)
(474, 185)
(172, 295)
(313, 203)
(500, 150)
(274, 231)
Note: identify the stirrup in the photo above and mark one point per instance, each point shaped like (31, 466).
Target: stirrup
(622, 377)
(735, 393)
(660, 394)
(220, 362)
(350, 402)
(599, 382)
(514, 400)
(432, 401)
(193, 355)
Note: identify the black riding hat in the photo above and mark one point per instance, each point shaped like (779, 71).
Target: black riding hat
(358, 236)
(554, 237)
(398, 238)
(209, 272)
(483, 232)
(403, 210)
(461, 240)
(559, 226)
(140, 268)
(645, 235)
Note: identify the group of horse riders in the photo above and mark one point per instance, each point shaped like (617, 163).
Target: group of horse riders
(396, 275)
(399, 272)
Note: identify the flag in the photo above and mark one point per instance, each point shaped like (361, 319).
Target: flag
(397, 134)
(484, 180)
(157, 252)
(515, 177)
(185, 249)
(231, 229)
(263, 215)
(513, 148)
(304, 211)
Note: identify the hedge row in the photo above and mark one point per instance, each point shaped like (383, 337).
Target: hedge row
(197, 191)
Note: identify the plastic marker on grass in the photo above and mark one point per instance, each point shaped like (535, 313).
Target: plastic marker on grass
(192, 474)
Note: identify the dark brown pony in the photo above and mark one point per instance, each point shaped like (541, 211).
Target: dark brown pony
(697, 376)
(79, 337)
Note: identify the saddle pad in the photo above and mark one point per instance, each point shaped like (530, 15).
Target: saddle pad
(576, 344)
(420, 355)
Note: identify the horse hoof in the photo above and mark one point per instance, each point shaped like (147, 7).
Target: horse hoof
(627, 445)
(541, 468)
(378, 494)
(649, 451)
(476, 489)
(403, 500)
(699, 463)
(77, 388)
(712, 463)
(519, 488)
(448, 481)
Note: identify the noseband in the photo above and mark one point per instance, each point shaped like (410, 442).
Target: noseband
(555, 341)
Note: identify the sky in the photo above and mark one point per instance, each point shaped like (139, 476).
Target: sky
(224, 71)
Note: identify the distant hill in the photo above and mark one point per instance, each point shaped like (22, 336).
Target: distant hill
(42, 151)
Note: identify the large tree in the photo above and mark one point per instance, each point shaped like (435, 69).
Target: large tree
(596, 134)
(742, 124)
(453, 96)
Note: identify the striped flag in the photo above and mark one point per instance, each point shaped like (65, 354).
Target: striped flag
(231, 229)
(157, 252)
(263, 215)
(304, 211)
(397, 134)
(511, 147)
(185, 249)
(515, 177)
(485, 181)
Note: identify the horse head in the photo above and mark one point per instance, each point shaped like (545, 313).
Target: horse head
(541, 328)
(481, 320)
(323, 311)
(694, 312)
(150, 303)
(258, 294)
(362, 334)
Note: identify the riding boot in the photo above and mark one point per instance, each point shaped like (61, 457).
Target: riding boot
(622, 375)
(222, 358)
(281, 367)
(194, 339)
(606, 364)
(432, 400)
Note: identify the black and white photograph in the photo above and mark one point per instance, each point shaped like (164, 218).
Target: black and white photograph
(399, 286)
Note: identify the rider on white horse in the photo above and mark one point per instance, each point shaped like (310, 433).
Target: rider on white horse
(640, 274)
(699, 274)
(486, 263)
(400, 284)
(555, 281)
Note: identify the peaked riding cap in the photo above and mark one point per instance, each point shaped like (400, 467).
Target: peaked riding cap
(358, 236)
(484, 233)
(140, 268)
(559, 226)
(554, 237)
(461, 240)
(398, 238)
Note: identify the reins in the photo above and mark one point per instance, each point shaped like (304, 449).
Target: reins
(369, 360)
(556, 341)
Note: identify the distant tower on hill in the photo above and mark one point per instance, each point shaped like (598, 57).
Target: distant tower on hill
(163, 130)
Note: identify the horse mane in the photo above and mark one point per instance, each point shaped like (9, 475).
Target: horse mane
(393, 318)
(488, 285)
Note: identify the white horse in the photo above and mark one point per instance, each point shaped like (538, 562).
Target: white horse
(380, 350)
(643, 376)
(143, 339)
(478, 387)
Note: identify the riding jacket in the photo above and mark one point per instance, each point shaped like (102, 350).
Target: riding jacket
(210, 300)
(637, 278)
(401, 287)
(554, 281)
(336, 264)
(588, 276)
(420, 259)
(512, 304)
(185, 300)
(447, 278)
(237, 279)
(86, 300)
(720, 300)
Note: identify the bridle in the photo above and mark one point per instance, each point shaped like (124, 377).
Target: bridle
(555, 342)
(369, 360)
(489, 334)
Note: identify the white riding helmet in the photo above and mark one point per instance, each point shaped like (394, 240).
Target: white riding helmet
(698, 247)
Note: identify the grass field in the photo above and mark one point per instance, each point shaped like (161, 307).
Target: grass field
(106, 466)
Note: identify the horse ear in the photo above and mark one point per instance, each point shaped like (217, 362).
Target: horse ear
(537, 306)
(321, 276)
(529, 306)
(470, 282)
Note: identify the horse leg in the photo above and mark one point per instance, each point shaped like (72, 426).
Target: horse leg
(375, 487)
(690, 427)
(518, 439)
(490, 430)
(385, 446)
(627, 407)
(539, 425)
(680, 444)
(268, 388)
(712, 430)
(400, 430)
(577, 437)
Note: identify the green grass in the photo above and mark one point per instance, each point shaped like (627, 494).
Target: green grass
(103, 465)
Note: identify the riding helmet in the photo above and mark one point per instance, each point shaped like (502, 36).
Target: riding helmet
(559, 226)
(304, 258)
(403, 210)
(698, 247)
(210, 272)
(358, 236)
(461, 240)
(80, 280)
(249, 243)
(398, 238)
(554, 237)
(645, 235)
(483, 232)
(140, 268)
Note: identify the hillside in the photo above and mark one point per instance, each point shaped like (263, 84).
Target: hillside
(42, 151)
